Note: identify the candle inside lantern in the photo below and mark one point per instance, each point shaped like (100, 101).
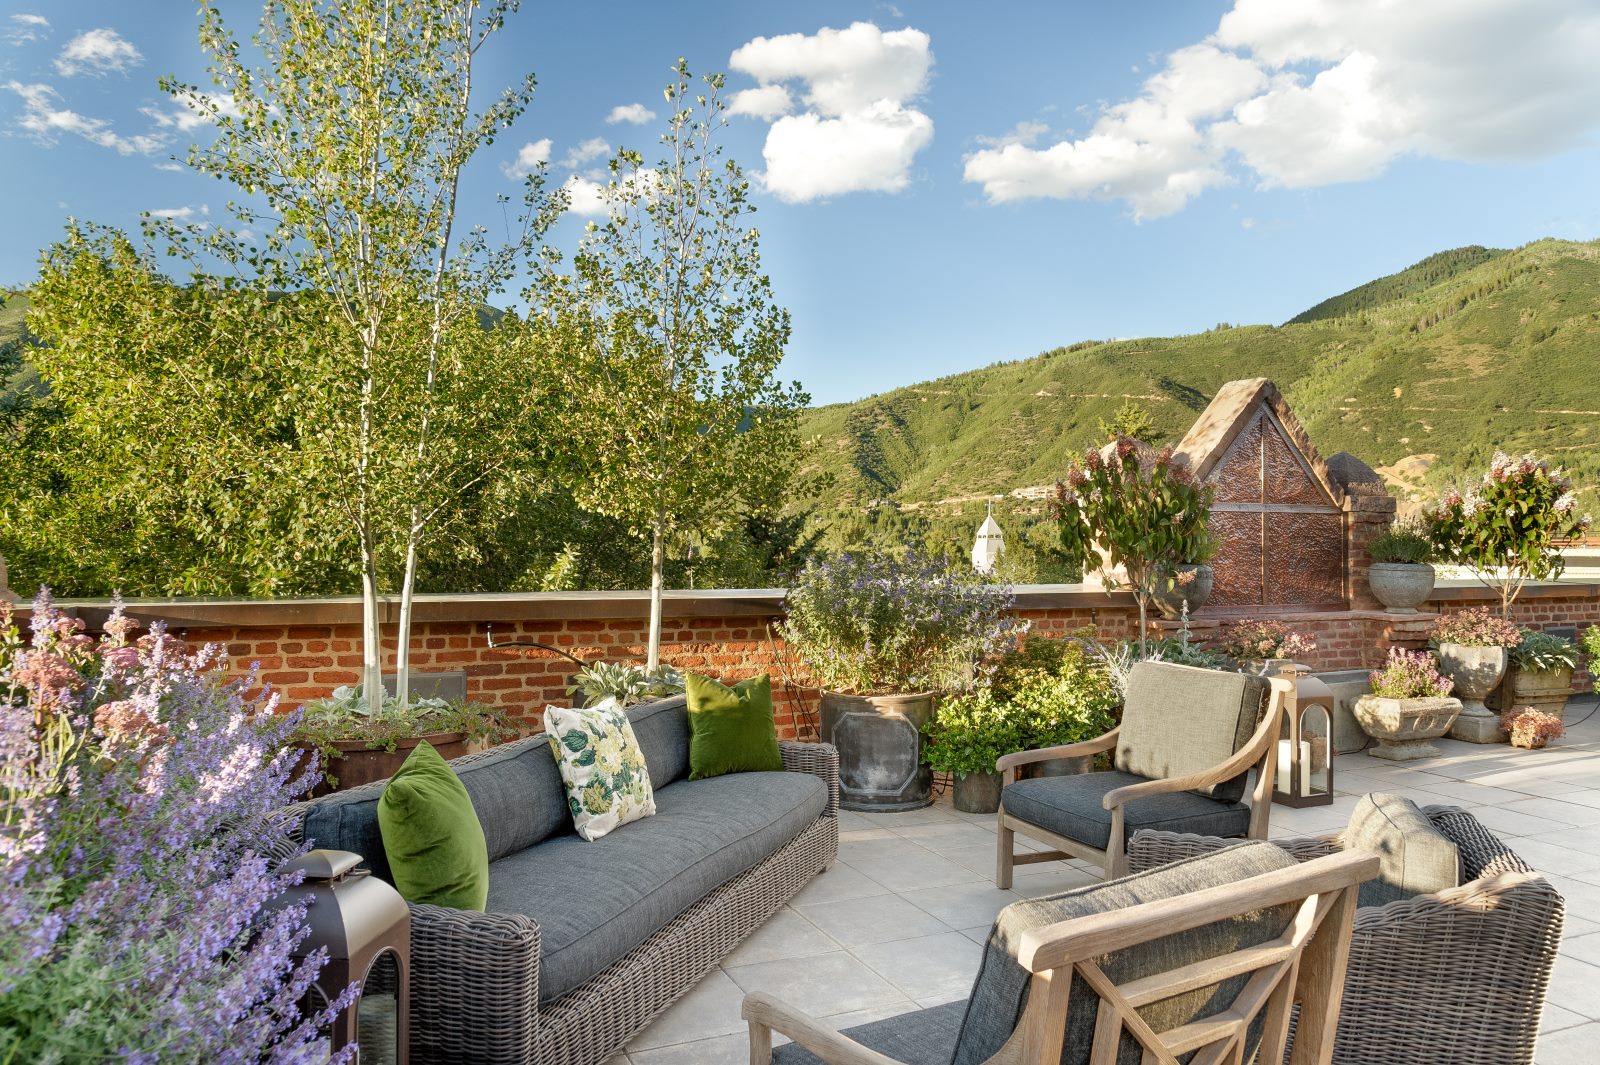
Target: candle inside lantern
(1286, 767)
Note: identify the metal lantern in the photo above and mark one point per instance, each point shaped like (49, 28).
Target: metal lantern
(1305, 751)
(366, 928)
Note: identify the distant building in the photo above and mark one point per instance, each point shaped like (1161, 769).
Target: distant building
(990, 544)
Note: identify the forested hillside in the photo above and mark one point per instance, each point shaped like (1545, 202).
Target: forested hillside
(1422, 374)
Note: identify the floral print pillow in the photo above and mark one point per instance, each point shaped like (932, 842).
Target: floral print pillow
(602, 766)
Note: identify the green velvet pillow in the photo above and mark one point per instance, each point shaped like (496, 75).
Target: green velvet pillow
(432, 836)
(731, 729)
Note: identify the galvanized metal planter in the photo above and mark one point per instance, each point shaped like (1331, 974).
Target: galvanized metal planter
(879, 738)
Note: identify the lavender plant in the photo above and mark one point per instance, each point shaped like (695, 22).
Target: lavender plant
(137, 848)
(869, 624)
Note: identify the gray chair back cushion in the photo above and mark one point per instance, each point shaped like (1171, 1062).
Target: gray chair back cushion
(663, 730)
(1001, 991)
(1414, 856)
(1179, 720)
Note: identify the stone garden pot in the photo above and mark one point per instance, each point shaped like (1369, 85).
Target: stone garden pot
(977, 793)
(1475, 671)
(355, 764)
(1169, 601)
(879, 738)
(1401, 586)
(1403, 727)
(1542, 689)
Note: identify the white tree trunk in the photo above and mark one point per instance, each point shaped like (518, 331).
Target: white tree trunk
(371, 631)
(402, 655)
(658, 561)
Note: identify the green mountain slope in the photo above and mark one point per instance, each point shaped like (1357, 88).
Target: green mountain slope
(1426, 371)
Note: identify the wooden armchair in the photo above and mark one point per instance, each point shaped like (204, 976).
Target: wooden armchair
(1206, 957)
(1188, 739)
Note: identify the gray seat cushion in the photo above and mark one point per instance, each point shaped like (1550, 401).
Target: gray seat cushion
(922, 1037)
(1070, 806)
(594, 902)
(1414, 857)
(1179, 720)
(1000, 993)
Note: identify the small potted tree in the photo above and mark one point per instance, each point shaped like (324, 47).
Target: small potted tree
(1473, 647)
(1400, 575)
(1409, 705)
(1142, 510)
(1539, 674)
(968, 733)
(884, 636)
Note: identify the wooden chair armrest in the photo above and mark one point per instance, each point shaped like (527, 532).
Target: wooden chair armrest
(1244, 759)
(819, 1037)
(1069, 750)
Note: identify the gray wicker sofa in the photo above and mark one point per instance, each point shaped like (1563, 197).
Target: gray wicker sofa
(1459, 976)
(583, 944)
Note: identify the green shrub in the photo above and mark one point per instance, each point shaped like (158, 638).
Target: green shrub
(969, 732)
(1403, 541)
(1540, 652)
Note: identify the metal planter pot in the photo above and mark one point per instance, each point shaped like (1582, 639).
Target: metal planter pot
(879, 738)
(977, 793)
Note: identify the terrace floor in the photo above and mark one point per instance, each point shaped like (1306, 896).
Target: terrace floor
(897, 922)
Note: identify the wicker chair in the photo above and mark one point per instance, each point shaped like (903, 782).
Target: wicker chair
(1202, 961)
(1188, 740)
(1459, 976)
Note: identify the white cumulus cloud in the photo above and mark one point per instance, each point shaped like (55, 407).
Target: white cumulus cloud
(638, 114)
(181, 214)
(1316, 92)
(530, 157)
(191, 114)
(98, 51)
(586, 152)
(585, 197)
(46, 121)
(25, 29)
(859, 131)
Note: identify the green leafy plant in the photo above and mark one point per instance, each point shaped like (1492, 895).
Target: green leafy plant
(1540, 652)
(1591, 645)
(626, 682)
(1404, 541)
(1058, 690)
(1506, 528)
(969, 732)
(1475, 627)
(347, 715)
(1410, 675)
(1139, 506)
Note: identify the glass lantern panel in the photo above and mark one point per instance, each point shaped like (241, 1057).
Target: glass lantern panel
(1316, 731)
(378, 1012)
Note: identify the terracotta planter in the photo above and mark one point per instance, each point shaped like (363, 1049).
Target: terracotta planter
(1403, 727)
(1169, 601)
(1475, 671)
(977, 793)
(356, 764)
(879, 738)
(1401, 586)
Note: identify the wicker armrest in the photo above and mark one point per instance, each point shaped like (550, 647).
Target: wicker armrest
(484, 966)
(818, 759)
(1150, 848)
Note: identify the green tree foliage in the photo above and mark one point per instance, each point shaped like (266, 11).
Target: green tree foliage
(670, 344)
(1131, 421)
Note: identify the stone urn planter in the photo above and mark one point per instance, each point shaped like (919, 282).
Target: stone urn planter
(1403, 727)
(1401, 586)
(879, 738)
(977, 793)
(1169, 601)
(1475, 670)
(355, 763)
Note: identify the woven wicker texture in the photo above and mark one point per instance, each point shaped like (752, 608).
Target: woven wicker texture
(475, 976)
(1459, 976)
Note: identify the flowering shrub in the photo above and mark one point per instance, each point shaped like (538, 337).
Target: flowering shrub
(1504, 529)
(1254, 640)
(1475, 627)
(1410, 675)
(1531, 728)
(869, 623)
(1143, 509)
(137, 855)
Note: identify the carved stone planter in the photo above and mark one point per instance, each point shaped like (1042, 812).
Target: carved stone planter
(1169, 601)
(1403, 727)
(1401, 586)
(1475, 671)
(879, 738)
(1542, 689)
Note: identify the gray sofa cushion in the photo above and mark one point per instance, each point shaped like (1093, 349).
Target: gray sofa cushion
(1070, 806)
(921, 1037)
(663, 731)
(1179, 720)
(1414, 857)
(1001, 991)
(594, 902)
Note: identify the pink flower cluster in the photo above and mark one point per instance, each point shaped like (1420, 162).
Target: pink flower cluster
(1476, 627)
(1530, 727)
(1251, 639)
(1410, 675)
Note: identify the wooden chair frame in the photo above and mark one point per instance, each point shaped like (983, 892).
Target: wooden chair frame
(1305, 967)
(1258, 754)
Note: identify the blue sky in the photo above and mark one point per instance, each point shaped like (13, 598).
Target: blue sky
(947, 184)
